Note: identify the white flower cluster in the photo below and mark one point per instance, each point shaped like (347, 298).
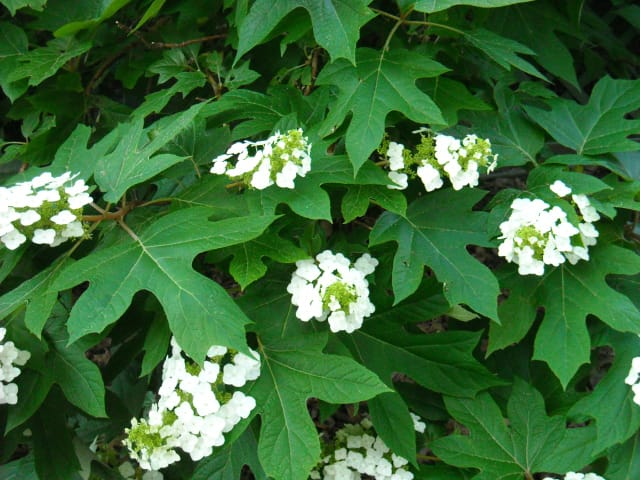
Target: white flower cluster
(332, 288)
(537, 234)
(438, 157)
(196, 407)
(579, 476)
(278, 159)
(126, 470)
(633, 379)
(47, 210)
(10, 356)
(357, 451)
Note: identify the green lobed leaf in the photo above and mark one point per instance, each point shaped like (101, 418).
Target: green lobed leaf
(381, 82)
(568, 294)
(355, 202)
(293, 370)
(611, 401)
(43, 62)
(431, 6)
(527, 444)
(226, 463)
(624, 460)
(336, 23)
(13, 45)
(36, 295)
(247, 266)
(33, 388)
(435, 233)
(134, 158)
(21, 469)
(185, 83)
(53, 449)
(14, 5)
(158, 259)
(443, 363)
(504, 51)
(390, 416)
(79, 378)
(535, 25)
(452, 96)
(599, 126)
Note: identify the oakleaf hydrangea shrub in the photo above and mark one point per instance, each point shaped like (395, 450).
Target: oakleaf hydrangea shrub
(309, 240)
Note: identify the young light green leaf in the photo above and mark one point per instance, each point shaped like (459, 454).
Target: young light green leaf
(199, 311)
(568, 294)
(293, 370)
(431, 6)
(381, 82)
(599, 126)
(528, 444)
(435, 233)
(336, 23)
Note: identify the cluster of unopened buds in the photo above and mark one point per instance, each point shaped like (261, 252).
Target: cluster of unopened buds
(633, 379)
(437, 157)
(47, 210)
(330, 287)
(579, 476)
(357, 451)
(537, 234)
(276, 160)
(196, 407)
(10, 358)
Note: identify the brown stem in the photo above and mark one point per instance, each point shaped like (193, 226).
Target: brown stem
(187, 42)
(234, 184)
(427, 458)
(126, 228)
(314, 72)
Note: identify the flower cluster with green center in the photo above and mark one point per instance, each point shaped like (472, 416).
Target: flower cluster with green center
(276, 160)
(196, 407)
(633, 379)
(437, 157)
(47, 210)
(331, 288)
(537, 234)
(357, 451)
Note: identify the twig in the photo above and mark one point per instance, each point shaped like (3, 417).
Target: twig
(187, 42)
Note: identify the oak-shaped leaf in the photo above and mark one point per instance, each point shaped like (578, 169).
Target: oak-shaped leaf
(227, 462)
(435, 233)
(294, 368)
(568, 294)
(158, 259)
(528, 443)
(610, 404)
(598, 127)
(431, 6)
(441, 362)
(381, 82)
(336, 23)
